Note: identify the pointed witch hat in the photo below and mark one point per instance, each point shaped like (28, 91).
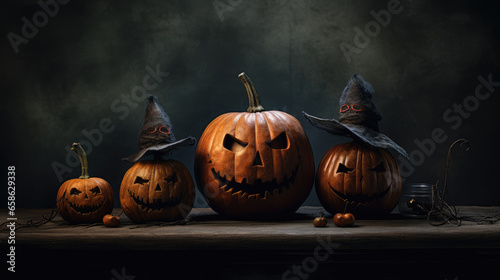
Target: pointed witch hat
(156, 135)
(358, 117)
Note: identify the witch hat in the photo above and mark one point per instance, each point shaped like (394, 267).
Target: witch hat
(156, 135)
(358, 116)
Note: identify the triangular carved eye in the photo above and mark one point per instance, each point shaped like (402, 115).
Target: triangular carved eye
(344, 169)
(379, 168)
(95, 190)
(139, 180)
(233, 144)
(75, 191)
(279, 142)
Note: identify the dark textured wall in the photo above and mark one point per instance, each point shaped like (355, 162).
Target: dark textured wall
(84, 63)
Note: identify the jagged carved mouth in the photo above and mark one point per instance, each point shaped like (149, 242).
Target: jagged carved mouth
(156, 205)
(360, 199)
(85, 209)
(257, 190)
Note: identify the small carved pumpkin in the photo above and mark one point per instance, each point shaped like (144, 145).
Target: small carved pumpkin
(86, 199)
(254, 163)
(365, 178)
(157, 190)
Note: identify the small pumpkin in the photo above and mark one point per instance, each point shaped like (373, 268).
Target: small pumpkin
(362, 178)
(86, 199)
(344, 219)
(111, 221)
(320, 221)
(254, 163)
(157, 190)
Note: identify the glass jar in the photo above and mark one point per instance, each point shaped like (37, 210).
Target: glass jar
(413, 196)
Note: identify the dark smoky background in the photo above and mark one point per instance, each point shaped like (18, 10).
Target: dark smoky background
(86, 61)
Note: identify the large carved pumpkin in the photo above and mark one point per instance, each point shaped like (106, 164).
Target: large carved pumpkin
(157, 190)
(86, 199)
(365, 178)
(254, 163)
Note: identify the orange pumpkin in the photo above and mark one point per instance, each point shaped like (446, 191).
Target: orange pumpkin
(86, 199)
(365, 178)
(254, 163)
(157, 190)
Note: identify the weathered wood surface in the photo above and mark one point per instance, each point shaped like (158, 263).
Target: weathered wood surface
(209, 231)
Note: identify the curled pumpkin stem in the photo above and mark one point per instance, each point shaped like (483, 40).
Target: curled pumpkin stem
(440, 209)
(253, 98)
(83, 160)
(465, 145)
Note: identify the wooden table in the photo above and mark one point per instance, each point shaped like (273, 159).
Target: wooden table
(291, 248)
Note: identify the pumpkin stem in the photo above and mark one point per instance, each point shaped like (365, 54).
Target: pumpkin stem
(253, 98)
(83, 160)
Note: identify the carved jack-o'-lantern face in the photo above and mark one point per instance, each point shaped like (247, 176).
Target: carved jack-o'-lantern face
(158, 190)
(365, 178)
(254, 163)
(86, 199)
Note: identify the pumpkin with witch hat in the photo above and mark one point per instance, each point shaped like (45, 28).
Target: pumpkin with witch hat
(158, 189)
(361, 177)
